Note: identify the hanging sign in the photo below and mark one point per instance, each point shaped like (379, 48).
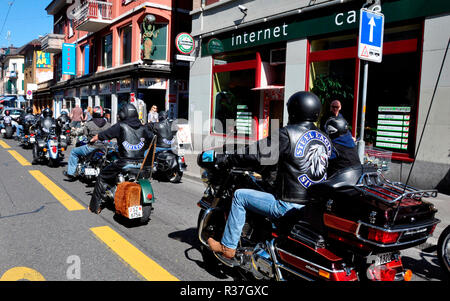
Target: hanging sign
(68, 59)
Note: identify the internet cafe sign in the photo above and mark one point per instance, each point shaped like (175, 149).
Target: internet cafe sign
(304, 25)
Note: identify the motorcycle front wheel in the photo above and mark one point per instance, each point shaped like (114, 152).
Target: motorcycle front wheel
(443, 250)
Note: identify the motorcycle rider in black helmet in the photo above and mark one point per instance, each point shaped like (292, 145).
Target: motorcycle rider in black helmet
(303, 160)
(23, 120)
(344, 153)
(163, 131)
(133, 140)
(43, 126)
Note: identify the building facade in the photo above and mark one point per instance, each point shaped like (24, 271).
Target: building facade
(38, 68)
(253, 55)
(12, 77)
(123, 51)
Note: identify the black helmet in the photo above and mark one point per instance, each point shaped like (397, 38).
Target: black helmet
(64, 113)
(303, 106)
(128, 111)
(163, 115)
(29, 110)
(97, 112)
(336, 127)
(47, 112)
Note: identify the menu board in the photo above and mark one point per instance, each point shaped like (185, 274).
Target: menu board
(243, 120)
(393, 127)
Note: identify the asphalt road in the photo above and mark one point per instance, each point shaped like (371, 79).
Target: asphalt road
(47, 233)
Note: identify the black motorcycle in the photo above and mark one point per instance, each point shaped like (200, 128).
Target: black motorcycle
(169, 166)
(28, 135)
(47, 147)
(353, 227)
(89, 167)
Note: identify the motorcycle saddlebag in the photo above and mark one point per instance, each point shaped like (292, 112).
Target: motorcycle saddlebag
(128, 194)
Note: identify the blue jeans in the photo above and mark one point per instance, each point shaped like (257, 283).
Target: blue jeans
(257, 201)
(19, 129)
(161, 149)
(75, 154)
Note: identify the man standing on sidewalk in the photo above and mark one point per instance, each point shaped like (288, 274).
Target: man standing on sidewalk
(76, 116)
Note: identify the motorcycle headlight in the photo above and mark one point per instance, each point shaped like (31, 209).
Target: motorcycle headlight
(204, 177)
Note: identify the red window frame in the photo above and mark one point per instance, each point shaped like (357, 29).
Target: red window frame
(236, 66)
(395, 47)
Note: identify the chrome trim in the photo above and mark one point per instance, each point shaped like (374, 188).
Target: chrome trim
(200, 228)
(276, 264)
(397, 243)
(314, 264)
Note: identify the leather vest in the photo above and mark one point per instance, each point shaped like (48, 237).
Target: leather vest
(304, 163)
(133, 142)
(164, 134)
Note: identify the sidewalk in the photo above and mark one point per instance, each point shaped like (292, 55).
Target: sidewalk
(441, 202)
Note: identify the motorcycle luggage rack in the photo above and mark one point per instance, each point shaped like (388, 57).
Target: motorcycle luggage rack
(377, 186)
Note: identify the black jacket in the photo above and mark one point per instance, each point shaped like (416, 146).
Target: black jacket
(163, 132)
(344, 154)
(133, 138)
(302, 161)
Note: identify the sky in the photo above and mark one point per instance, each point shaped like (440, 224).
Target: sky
(26, 21)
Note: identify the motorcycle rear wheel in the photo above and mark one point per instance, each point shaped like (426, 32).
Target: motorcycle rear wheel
(443, 250)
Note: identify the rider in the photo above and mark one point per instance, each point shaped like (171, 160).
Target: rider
(133, 140)
(27, 118)
(303, 160)
(63, 120)
(7, 117)
(345, 152)
(45, 122)
(163, 131)
(96, 125)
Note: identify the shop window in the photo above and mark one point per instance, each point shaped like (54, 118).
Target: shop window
(107, 51)
(154, 42)
(126, 34)
(392, 95)
(234, 104)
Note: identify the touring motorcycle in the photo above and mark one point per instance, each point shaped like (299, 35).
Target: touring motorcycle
(353, 227)
(169, 166)
(47, 146)
(89, 167)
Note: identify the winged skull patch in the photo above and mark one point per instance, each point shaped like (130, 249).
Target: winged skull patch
(315, 148)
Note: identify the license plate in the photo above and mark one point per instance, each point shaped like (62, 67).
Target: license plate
(32, 140)
(135, 212)
(90, 172)
(381, 259)
(63, 137)
(3, 131)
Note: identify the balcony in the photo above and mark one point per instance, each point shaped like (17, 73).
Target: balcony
(52, 43)
(93, 15)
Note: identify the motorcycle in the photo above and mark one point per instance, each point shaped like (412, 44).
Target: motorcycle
(353, 227)
(169, 166)
(132, 194)
(89, 167)
(28, 135)
(443, 250)
(8, 130)
(47, 146)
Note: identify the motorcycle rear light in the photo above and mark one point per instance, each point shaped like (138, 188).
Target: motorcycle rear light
(432, 229)
(54, 149)
(68, 131)
(381, 273)
(383, 236)
(182, 159)
(149, 196)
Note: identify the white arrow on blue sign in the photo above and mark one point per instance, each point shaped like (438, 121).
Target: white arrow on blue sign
(371, 30)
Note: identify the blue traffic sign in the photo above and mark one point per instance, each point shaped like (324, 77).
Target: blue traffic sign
(371, 30)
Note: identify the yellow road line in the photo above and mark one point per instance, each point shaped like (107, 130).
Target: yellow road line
(4, 144)
(19, 158)
(57, 192)
(145, 266)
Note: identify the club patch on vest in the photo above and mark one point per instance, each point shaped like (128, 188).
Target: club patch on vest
(134, 147)
(315, 149)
